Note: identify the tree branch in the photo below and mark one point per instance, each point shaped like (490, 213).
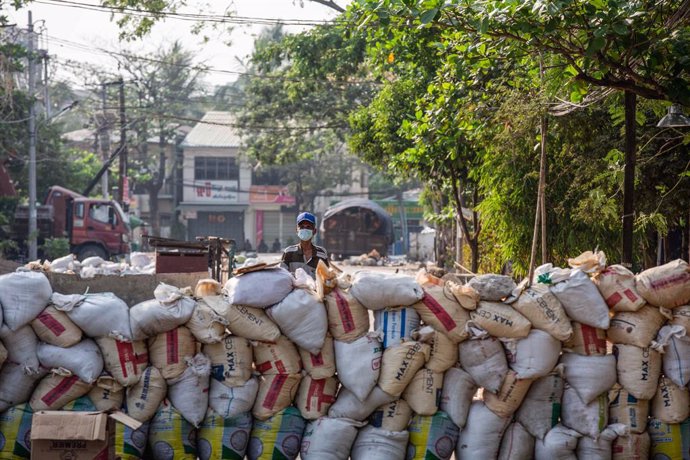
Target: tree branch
(331, 4)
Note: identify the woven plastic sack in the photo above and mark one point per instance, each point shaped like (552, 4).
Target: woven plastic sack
(671, 403)
(347, 405)
(15, 427)
(231, 360)
(107, 394)
(301, 316)
(399, 365)
(348, 319)
(55, 390)
(250, 289)
(359, 363)
(23, 296)
(280, 357)
(444, 353)
(321, 365)
(278, 437)
(17, 386)
(83, 359)
(589, 376)
(167, 311)
(637, 328)
(144, 397)
(560, 442)
(535, 355)
(423, 393)
(276, 392)
(485, 361)
(226, 438)
(170, 435)
(189, 392)
(432, 436)
(125, 361)
(500, 320)
(232, 401)
(329, 439)
(582, 301)
(626, 409)
(392, 416)
(98, 315)
(456, 396)
(481, 437)
(205, 324)
(541, 408)
(54, 327)
(380, 444)
(617, 286)
(676, 357)
(507, 400)
(669, 440)
(600, 448)
(22, 347)
(544, 311)
(638, 369)
(588, 419)
(376, 290)
(516, 444)
(631, 447)
(131, 444)
(665, 286)
(586, 340)
(396, 324)
(315, 397)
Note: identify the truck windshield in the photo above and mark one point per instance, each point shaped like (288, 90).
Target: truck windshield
(122, 215)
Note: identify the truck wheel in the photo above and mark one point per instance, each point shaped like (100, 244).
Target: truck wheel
(91, 250)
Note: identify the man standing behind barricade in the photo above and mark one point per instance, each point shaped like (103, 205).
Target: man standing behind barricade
(305, 254)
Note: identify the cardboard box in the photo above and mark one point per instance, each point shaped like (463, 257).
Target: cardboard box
(67, 435)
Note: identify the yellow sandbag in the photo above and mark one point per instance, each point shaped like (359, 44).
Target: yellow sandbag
(432, 437)
(170, 435)
(669, 441)
(279, 437)
(15, 431)
(131, 444)
(224, 438)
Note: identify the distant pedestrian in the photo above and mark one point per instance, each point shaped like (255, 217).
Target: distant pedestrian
(263, 247)
(275, 247)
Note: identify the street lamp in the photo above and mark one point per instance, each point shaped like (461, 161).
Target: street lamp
(675, 118)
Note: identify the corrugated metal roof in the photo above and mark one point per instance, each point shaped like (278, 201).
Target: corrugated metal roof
(214, 130)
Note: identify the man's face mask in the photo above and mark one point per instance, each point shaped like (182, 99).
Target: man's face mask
(305, 234)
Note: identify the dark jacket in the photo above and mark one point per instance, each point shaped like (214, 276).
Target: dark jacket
(293, 258)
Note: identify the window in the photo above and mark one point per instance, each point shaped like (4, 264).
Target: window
(216, 168)
(99, 212)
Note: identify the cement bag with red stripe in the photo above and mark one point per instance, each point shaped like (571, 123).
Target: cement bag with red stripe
(98, 315)
(359, 363)
(83, 359)
(23, 296)
(560, 442)
(17, 386)
(231, 360)
(631, 447)
(144, 397)
(54, 327)
(220, 437)
(376, 290)
(321, 365)
(302, 317)
(57, 389)
(329, 439)
(676, 357)
(396, 324)
(232, 401)
(278, 437)
(169, 350)
(665, 286)
(581, 300)
(171, 308)
(315, 397)
(626, 409)
(638, 369)
(259, 289)
(600, 448)
(380, 444)
(276, 392)
(125, 361)
(588, 419)
(22, 347)
(536, 355)
(432, 436)
(348, 319)
(617, 286)
(589, 376)
(392, 416)
(205, 324)
(516, 443)
(541, 408)
(456, 396)
(586, 340)
(538, 304)
(107, 394)
(280, 357)
(439, 309)
(637, 328)
(189, 392)
(347, 405)
(485, 360)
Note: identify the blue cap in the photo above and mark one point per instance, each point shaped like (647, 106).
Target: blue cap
(309, 217)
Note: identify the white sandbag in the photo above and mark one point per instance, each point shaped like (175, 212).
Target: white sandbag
(638, 369)
(665, 286)
(626, 409)
(588, 419)
(582, 301)
(377, 290)
(586, 340)
(631, 447)
(676, 357)
(54, 327)
(399, 365)
(206, 325)
(347, 405)
(17, 385)
(544, 311)
(423, 393)
(492, 287)
(396, 324)
(65, 263)
(481, 436)
(380, 444)
(500, 320)
(98, 315)
(22, 347)
(329, 439)
(55, 390)
(589, 376)
(485, 361)
(535, 355)
(250, 289)
(280, 357)
(23, 295)
(231, 360)
(276, 392)
(617, 286)
(107, 394)
(439, 309)
(3, 354)
(637, 328)
(321, 365)
(600, 449)
(170, 309)
(392, 416)
(278, 437)
(671, 403)
(507, 400)
(168, 351)
(558, 444)
(541, 407)
(517, 443)
(189, 392)
(302, 317)
(83, 359)
(233, 401)
(444, 352)
(144, 397)
(456, 396)
(314, 397)
(359, 363)
(348, 319)
(125, 361)
(433, 436)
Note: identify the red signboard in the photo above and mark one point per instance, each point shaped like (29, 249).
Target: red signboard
(270, 194)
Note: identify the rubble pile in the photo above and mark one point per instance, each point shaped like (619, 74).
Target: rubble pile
(590, 361)
(140, 263)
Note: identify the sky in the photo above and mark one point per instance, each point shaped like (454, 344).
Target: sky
(76, 30)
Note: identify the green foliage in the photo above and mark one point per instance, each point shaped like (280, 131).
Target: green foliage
(54, 248)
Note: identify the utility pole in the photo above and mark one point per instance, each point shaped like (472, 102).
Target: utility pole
(104, 140)
(33, 224)
(629, 179)
(124, 182)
